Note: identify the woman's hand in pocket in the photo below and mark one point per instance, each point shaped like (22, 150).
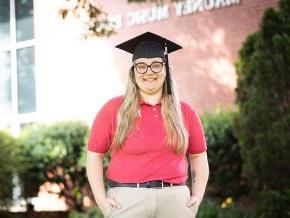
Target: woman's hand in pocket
(108, 204)
(193, 203)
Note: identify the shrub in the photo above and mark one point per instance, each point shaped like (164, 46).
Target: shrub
(8, 163)
(208, 209)
(263, 96)
(211, 208)
(274, 204)
(93, 212)
(223, 155)
(55, 153)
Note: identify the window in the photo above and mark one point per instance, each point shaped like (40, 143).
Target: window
(26, 81)
(24, 20)
(17, 75)
(4, 22)
(5, 83)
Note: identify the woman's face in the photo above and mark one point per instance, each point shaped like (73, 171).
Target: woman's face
(150, 82)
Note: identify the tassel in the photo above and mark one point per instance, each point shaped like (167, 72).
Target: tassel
(167, 77)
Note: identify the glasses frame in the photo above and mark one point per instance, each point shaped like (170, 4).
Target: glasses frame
(160, 62)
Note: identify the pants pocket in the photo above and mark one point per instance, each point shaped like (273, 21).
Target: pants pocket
(108, 212)
(114, 194)
(192, 210)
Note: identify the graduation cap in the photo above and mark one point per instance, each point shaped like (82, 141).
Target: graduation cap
(150, 45)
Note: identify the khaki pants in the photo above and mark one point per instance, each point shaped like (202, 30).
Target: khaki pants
(167, 202)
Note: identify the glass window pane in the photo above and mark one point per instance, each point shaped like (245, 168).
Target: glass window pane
(5, 83)
(24, 19)
(26, 80)
(4, 22)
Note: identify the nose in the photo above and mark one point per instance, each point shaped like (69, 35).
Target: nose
(149, 71)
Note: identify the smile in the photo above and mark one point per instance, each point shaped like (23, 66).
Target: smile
(150, 79)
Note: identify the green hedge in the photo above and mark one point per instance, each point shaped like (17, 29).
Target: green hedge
(8, 164)
(56, 153)
(224, 157)
(263, 96)
(273, 204)
(93, 212)
(213, 209)
(31, 214)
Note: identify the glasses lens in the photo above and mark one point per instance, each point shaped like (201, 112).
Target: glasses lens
(141, 67)
(156, 67)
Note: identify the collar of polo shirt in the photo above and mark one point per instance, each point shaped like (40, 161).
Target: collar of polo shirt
(144, 102)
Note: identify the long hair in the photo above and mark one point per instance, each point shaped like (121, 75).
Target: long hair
(176, 133)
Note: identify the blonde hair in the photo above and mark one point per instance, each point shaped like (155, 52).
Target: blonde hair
(176, 133)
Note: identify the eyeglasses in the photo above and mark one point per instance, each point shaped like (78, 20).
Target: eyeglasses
(142, 68)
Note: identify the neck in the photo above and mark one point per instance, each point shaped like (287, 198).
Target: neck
(152, 99)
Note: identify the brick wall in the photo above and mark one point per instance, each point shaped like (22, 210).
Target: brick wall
(204, 69)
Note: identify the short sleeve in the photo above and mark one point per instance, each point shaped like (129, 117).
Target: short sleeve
(197, 141)
(103, 128)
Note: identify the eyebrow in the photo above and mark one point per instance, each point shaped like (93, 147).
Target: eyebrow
(146, 63)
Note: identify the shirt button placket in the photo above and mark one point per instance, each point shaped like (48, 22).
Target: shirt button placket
(155, 114)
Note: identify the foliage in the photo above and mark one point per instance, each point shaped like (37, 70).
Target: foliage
(208, 209)
(33, 214)
(93, 212)
(263, 96)
(212, 209)
(8, 163)
(55, 154)
(223, 155)
(274, 204)
(95, 21)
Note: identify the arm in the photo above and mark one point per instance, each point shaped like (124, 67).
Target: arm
(98, 145)
(94, 168)
(199, 174)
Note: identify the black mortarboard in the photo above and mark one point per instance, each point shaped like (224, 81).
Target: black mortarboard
(150, 45)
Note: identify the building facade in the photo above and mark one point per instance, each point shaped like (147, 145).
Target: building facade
(49, 73)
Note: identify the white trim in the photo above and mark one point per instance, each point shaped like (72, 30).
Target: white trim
(17, 45)
(5, 120)
(27, 117)
(4, 48)
(14, 120)
(15, 128)
(24, 44)
(21, 118)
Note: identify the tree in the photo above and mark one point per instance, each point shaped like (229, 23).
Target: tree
(93, 18)
(263, 97)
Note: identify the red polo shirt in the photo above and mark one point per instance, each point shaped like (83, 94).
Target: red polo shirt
(145, 155)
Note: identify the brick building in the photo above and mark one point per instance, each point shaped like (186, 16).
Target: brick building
(49, 73)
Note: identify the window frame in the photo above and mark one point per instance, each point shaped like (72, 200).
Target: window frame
(15, 119)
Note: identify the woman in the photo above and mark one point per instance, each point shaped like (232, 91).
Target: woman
(149, 131)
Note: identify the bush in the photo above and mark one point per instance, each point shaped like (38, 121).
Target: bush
(56, 153)
(273, 204)
(93, 212)
(8, 163)
(52, 214)
(223, 155)
(263, 95)
(212, 209)
(208, 209)
(236, 211)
